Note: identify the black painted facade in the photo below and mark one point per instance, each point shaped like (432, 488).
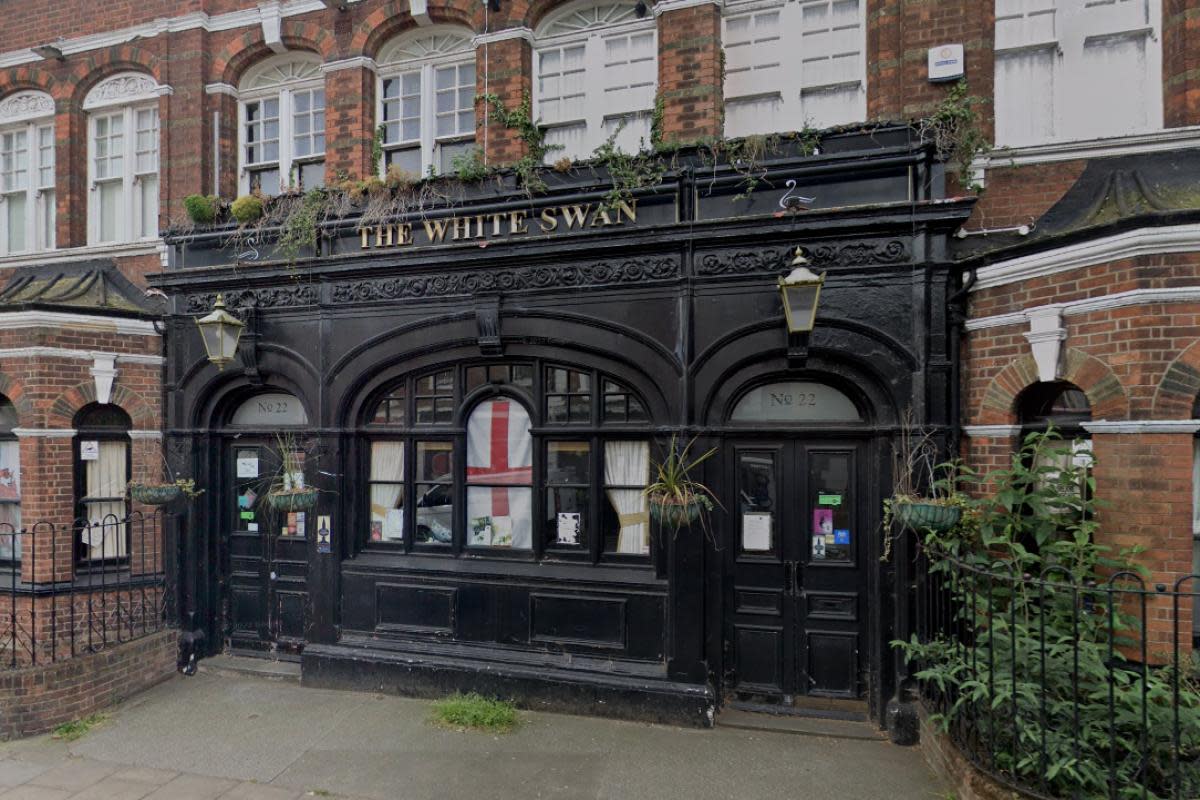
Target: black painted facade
(679, 308)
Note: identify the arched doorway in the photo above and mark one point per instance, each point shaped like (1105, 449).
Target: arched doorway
(264, 552)
(796, 550)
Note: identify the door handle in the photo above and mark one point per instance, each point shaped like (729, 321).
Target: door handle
(790, 578)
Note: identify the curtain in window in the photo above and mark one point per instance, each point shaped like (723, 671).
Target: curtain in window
(387, 464)
(628, 464)
(10, 496)
(499, 456)
(106, 479)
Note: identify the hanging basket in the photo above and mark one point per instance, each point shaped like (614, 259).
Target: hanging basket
(293, 500)
(154, 494)
(674, 515)
(926, 516)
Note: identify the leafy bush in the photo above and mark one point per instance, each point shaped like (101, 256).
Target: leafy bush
(247, 209)
(476, 712)
(1040, 647)
(202, 209)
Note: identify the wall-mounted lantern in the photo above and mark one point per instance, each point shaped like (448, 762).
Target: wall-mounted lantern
(801, 291)
(220, 332)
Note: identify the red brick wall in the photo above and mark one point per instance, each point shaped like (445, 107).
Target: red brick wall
(38, 699)
(508, 77)
(689, 73)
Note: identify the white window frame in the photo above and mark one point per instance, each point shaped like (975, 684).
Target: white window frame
(31, 113)
(439, 42)
(791, 56)
(1067, 47)
(285, 91)
(123, 95)
(597, 115)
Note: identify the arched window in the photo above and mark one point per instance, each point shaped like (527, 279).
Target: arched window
(27, 172)
(282, 124)
(792, 65)
(123, 140)
(595, 72)
(10, 483)
(101, 479)
(1063, 407)
(427, 99)
(573, 490)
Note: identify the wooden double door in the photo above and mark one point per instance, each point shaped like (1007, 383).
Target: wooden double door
(795, 573)
(266, 554)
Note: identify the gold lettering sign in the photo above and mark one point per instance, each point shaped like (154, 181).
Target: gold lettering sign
(554, 219)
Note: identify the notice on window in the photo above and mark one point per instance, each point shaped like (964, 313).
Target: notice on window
(829, 499)
(841, 536)
(393, 524)
(323, 534)
(568, 528)
(756, 531)
(247, 467)
(89, 451)
(818, 547)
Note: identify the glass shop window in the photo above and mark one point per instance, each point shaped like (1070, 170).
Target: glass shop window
(499, 476)
(435, 493)
(620, 405)
(387, 491)
(391, 409)
(832, 503)
(102, 475)
(10, 483)
(520, 375)
(433, 398)
(568, 396)
(626, 517)
(568, 495)
(758, 494)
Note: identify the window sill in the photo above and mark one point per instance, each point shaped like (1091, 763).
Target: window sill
(64, 254)
(1153, 142)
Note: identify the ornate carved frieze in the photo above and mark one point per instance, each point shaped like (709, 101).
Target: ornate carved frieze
(306, 294)
(600, 273)
(777, 259)
(125, 88)
(26, 105)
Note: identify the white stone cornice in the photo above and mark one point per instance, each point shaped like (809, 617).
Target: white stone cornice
(991, 431)
(1139, 242)
(145, 434)
(502, 36)
(1133, 297)
(663, 6)
(221, 88)
(78, 355)
(18, 320)
(43, 433)
(1187, 426)
(358, 62)
(1153, 142)
(68, 254)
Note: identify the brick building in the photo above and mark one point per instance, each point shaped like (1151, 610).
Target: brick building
(1078, 265)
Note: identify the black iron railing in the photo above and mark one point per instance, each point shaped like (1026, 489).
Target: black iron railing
(1062, 689)
(67, 590)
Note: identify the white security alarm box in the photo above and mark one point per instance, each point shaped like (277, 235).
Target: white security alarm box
(946, 62)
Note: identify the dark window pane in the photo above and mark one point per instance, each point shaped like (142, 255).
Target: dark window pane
(498, 374)
(567, 516)
(444, 411)
(614, 408)
(425, 385)
(637, 413)
(435, 461)
(425, 410)
(476, 377)
(556, 408)
(832, 529)
(757, 501)
(435, 514)
(568, 462)
(445, 381)
(580, 408)
(522, 375)
(556, 380)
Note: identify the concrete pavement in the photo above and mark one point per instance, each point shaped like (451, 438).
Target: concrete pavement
(242, 738)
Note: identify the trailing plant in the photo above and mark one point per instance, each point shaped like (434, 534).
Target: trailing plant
(527, 168)
(955, 131)
(299, 228)
(247, 209)
(377, 148)
(469, 167)
(1040, 651)
(744, 156)
(202, 209)
(674, 495)
(656, 122)
(627, 171)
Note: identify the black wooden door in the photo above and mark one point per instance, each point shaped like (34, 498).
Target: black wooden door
(267, 555)
(796, 575)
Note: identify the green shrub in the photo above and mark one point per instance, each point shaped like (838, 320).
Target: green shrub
(473, 711)
(202, 209)
(70, 731)
(247, 208)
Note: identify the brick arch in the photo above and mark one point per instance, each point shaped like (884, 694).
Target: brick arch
(100, 64)
(246, 50)
(1180, 385)
(1104, 391)
(28, 76)
(536, 10)
(13, 389)
(67, 405)
(393, 18)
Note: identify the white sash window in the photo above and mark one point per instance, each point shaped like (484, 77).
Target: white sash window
(10, 483)
(123, 144)
(791, 65)
(1070, 69)
(427, 99)
(27, 209)
(282, 124)
(595, 72)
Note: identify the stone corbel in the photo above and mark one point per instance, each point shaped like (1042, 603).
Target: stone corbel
(419, 10)
(104, 372)
(272, 23)
(1046, 336)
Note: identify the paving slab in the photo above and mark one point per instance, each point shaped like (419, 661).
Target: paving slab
(30, 792)
(192, 787)
(111, 788)
(14, 773)
(74, 774)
